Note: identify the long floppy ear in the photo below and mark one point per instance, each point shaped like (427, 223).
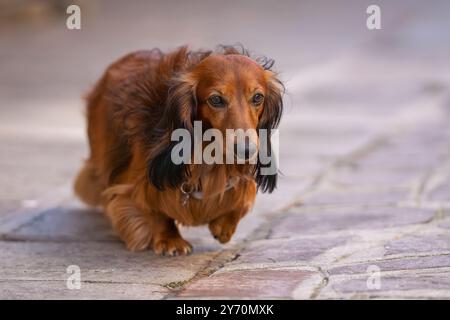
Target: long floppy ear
(179, 113)
(269, 120)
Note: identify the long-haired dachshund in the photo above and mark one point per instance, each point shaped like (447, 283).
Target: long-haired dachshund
(132, 111)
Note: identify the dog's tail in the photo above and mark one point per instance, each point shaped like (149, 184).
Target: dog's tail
(87, 185)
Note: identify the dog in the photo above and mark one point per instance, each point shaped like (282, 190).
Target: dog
(132, 111)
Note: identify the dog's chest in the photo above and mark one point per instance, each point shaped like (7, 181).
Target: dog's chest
(197, 209)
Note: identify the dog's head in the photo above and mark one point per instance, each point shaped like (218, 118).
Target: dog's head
(224, 91)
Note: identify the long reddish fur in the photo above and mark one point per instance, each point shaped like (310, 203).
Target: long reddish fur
(131, 113)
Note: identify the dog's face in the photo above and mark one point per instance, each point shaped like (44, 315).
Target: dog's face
(230, 94)
(224, 91)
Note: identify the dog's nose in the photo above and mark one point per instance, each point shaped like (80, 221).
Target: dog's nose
(245, 150)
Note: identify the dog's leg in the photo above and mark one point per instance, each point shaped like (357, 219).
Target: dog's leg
(87, 185)
(132, 226)
(223, 227)
(167, 238)
(141, 230)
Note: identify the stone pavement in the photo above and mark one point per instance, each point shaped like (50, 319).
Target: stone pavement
(362, 210)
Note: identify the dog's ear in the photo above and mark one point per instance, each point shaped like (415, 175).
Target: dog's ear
(273, 103)
(181, 103)
(269, 120)
(179, 113)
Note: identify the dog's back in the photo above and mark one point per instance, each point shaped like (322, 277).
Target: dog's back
(127, 84)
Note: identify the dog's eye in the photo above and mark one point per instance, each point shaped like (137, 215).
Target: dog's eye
(257, 99)
(216, 101)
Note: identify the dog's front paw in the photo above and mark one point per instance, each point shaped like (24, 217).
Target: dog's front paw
(172, 246)
(222, 229)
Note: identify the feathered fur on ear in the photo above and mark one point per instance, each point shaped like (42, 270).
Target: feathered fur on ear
(179, 112)
(270, 119)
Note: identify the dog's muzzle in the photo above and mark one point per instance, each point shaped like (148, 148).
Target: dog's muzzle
(246, 150)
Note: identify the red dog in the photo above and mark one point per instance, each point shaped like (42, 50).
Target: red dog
(131, 114)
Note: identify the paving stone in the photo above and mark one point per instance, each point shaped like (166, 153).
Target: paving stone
(428, 136)
(26, 160)
(310, 136)
(374, 177)
(57, 290)
(389, 161)
(417, 138)
(417, 244)
(406, 282)
(416, 263)
(66, 224)
(445, 223)
(441, 193)
(313, 221)
(303, 167)
(261, 284)
(357, 197)
(286, 191)
(98, 261)
(287, 250)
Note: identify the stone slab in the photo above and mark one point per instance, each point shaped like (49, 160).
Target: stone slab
(286, 250)
(256, 284)
(400, 264)
(317, 221)
(98, 261)
(57, 290)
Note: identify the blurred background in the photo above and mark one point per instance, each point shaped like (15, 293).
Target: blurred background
(330, 62)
